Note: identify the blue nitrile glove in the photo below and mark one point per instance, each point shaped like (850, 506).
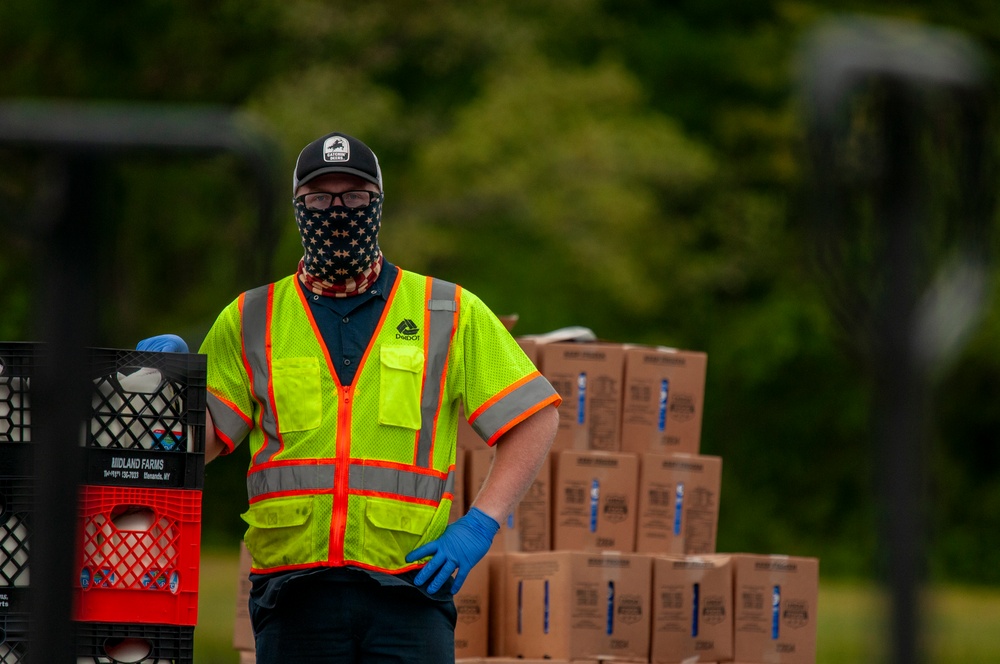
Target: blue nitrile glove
(461, 546)
(163, 343)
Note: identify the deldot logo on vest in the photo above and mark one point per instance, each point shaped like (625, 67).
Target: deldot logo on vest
(407, 330)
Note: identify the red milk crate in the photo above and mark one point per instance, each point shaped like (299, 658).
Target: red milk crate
(138, 553)
(102, 643)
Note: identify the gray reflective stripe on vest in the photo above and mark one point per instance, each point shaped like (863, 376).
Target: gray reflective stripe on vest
(225, 420)
(312, 477)
(400, 482)
(511, 406)
(254, 337)
(277, 479)
(442, 307)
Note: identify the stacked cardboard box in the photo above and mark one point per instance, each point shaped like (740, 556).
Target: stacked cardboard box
(589, 379)
(243, 640)
(692, 609)
(775, 608)
(678, 503)
(640, 485)
(472, 604)
(664, 398)
(595, 501)
(528, 527)
(611, 556)
(578, 605)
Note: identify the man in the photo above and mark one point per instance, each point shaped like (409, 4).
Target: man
(345, 381)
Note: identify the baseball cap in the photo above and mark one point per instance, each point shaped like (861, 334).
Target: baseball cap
(336, 153)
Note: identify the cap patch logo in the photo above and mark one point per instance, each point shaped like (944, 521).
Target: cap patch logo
(336, 149)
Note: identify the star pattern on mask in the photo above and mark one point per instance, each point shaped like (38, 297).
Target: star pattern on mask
(339, 241)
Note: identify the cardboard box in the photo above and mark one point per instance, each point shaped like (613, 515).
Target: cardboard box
(678, 503)
(530, 348)
(466, 438)
(588, 376)
(497, 565)
(242, 629)
(509, 321)
(472, 602)
(515, 660)
(529, 528)
(692, 609)
(774, 617)
(664, 394)
(594, 501)
(458, 503)
(578, 605)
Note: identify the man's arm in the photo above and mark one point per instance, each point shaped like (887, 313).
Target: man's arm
(519, 455)
(213, 446)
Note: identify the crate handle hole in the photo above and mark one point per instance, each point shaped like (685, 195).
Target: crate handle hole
(133, 517)
(128, 650)
(139, 380)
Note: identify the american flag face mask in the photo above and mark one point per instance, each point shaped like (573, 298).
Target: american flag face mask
(339, 242)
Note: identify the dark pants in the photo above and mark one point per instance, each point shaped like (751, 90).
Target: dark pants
(325, 618)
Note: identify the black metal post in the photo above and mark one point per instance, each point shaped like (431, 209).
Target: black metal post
(900, 383)
(81, 140)
(896, 69)
(61, 391)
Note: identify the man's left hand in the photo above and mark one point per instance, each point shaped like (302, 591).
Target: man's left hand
(460, 547)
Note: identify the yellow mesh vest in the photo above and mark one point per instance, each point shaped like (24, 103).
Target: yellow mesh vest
(349, 474)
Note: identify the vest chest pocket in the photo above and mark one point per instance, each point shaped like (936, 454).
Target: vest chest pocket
(400, 378)
(297, 393)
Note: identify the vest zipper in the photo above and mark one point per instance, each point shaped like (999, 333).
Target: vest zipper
(343, 474)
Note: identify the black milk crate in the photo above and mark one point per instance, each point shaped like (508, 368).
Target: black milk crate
(14, 637)
(147, 417)
(147, 420)
(101, 643)
(17, 496)
(19, 360)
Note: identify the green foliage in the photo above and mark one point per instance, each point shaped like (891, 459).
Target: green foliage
(630, 167)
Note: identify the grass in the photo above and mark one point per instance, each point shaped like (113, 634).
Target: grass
(213, 637)
(852, 618)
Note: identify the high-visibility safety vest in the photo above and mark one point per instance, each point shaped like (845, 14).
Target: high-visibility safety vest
(360, 474)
